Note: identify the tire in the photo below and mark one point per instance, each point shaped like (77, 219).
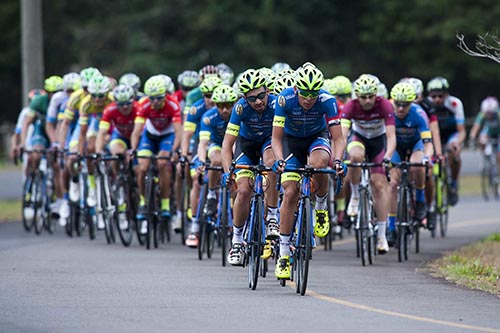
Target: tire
(123, 195)
(485, 180)
(363, 229)
(151, 209)
(183, 207)
(210, 237)
(304, 253)
(402, 221)
(201, 222)
(443, 214)
(255, 244)
(223, 225)
(38, 203)
(28, 223)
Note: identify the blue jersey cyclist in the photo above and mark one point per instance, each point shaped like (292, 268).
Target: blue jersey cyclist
(413, 143)
(250, 128)
(300, 134)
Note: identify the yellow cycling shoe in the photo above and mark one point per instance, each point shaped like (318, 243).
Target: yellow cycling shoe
(268, 250)
(282, 269)
(322, 225)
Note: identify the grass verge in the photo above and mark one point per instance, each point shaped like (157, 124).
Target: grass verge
(469, 185)
(10, 210)
(476, 266)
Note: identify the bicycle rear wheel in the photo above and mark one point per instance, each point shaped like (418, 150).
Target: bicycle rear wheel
(443, 210)
(255, 244)
(304, 248)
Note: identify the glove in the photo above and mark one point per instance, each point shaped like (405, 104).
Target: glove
(200, 165)
(182, 160)
(426, 160)
(386, 163)
(226, 177)
(278, 164)
(340, 168)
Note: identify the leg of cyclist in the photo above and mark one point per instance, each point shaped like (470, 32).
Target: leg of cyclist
(454, 148)
(214, 155)
(192, 239)
(356, 151)
(165, 177)
(395, 174)
(91, 145)
(271, 194)
(418, 176)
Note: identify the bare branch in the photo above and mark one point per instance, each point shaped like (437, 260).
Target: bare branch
(484, 47)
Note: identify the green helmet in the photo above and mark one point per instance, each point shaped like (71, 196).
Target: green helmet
(329, 86)
(99, 84)
(155, 86)
(403, 92)
(132, 80)
(188, 79)
(342, 85)
(53, 83)
(366, 85)
(251, 79)
(269, 75)
(309, 77)
(87, 74)
(71, 81)
(123, 93)
(224, 93)
(280, 67)
(210, 83)
(169, 83)
(438, 83)
(282, 82)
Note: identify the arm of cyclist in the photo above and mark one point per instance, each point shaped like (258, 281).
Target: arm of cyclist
(177, 141)
(28, 120)
(227, 151)
(338, 146)
(101, 136)
(277, 146)
(390, 132)
(202, 153)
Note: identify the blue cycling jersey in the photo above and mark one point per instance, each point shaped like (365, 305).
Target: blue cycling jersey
(300, 123)
(213, 127)
(412, 128)
(196, 111)
(250, 124)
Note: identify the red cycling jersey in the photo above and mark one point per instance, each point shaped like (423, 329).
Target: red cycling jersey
(159, 122)
(122, 123)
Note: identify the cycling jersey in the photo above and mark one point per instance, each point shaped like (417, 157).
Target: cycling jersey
(428, 106)
(411, 128)
(73, 104)
(369, 124)
(159, 122)
(449, 115)
(58, 99)
(123, 124)
(250, 124)
(88, 109)
(192, 97)
(213, 127)
(490, 125)
(300, 123)
(196, 112)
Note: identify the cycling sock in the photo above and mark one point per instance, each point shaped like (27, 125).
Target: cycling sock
(211, 194)
(165, 204)
(453, 183)
(392, 222)
(272, 212)
(354, 190)
(381, 228)
(91, 181)
(66, 196)
(195, 227)
(419, 195)
(284, 245)
(321, 202)
(340, 204)
(238, 234)
(142, 200)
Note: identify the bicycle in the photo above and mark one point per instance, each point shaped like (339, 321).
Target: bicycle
(440, 174)
(489, 170)
(105, 203)
(335, 225)
(364, 222)
(254, 232)
(407, 227)
(184, 202)
(302, 236)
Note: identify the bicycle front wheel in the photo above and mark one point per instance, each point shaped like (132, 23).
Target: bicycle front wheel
(38, 202)
(304, 247)
(124, 211)
(255, 243)
(362, 231)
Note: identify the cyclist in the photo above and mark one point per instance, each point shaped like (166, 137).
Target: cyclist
(374, 139)
(250, 127)
(187, 80)
(213, 127)
(157, 130)
(300, 122)
(134, 81)
(450, 114)
(192, 127)
(195, 94)
(414, 142)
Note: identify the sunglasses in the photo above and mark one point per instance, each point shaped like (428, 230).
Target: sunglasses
(156, 98)
(366, 96)
(402, 104)
(227, 105)
(124, 103)
(309, 93)
(207, 95)
(253, 99)
(436, 96)
(98, 95)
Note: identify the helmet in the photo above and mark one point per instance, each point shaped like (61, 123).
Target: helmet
(132, 80)
(123, 93)
(71, 81)
(282, 82)
(329, 85)
(225, 73)
(155, 86)
(308, 77)
(86, 74)
(224, 93)
(489, 104)
(35, 92)
(99, 84)
(168, 83)
(438, 83)
(209, 84)
(417, 84)
(382, 90)
(208, 69)
(188, 79)
(251, 79)
(53, 83)
(365, 85)
(279, 67)
(269, 75)
(403, 92)
(286, 72)
(342, 85)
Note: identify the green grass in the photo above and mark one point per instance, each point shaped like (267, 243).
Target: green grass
(10, 210)
(469, 185)
(475, 266)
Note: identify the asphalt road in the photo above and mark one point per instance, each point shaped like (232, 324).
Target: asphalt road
(51, 283)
